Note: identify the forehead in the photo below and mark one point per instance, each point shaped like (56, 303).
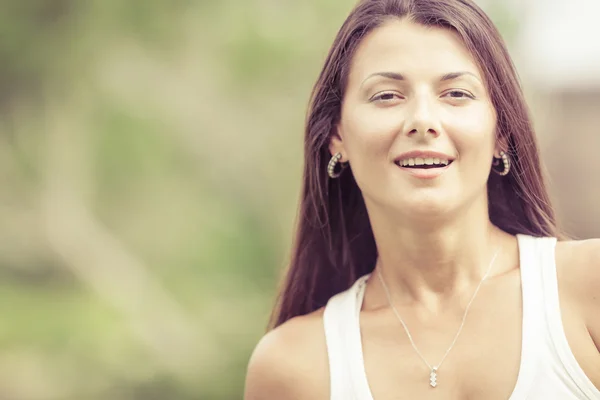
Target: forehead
(411, 49)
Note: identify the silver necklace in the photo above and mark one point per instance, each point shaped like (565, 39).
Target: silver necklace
(434, 369)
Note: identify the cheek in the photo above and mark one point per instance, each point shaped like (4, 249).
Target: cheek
(366, 137)
(473, 132)
(368, 141)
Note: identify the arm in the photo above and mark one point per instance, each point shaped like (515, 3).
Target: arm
(290, 363)
(578, 268)
(590, 287)
(270, 375)
(579, 278)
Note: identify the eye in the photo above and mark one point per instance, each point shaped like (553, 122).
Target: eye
(385, 97)
(459, 94)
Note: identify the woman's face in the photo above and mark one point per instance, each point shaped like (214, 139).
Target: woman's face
(415, 101)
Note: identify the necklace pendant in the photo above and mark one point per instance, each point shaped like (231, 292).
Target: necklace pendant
(433, 377)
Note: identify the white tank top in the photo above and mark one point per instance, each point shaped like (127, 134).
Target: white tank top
(548, 368)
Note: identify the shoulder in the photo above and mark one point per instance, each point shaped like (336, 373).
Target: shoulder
(290, 362)
(578, 265)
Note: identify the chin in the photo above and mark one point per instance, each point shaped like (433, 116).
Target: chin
(426, 206)
(428, 210)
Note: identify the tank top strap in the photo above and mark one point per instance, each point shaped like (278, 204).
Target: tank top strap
(339, 320)
(532, 327)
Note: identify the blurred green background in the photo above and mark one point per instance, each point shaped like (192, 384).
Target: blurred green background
(150, 166)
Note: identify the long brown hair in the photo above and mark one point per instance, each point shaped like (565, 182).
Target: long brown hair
(334, 242)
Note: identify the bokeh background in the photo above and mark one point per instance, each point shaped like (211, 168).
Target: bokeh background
(150, 165)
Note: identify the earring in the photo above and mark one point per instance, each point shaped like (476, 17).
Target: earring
(505, 161)
(332, 163)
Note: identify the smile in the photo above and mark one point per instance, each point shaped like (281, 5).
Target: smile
(424, 170)
(419, 162)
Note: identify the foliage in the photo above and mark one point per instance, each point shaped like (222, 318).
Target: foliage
(150, 161)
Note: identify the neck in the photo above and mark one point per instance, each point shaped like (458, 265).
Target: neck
(428, 262)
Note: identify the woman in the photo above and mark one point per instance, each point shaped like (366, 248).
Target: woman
(425, 263)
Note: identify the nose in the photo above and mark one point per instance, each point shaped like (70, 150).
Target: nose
(422, 117)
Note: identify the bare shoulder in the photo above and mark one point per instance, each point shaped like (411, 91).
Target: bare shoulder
(290, 362)
(578, 264)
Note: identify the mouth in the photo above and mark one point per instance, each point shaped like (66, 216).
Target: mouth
(423, 163)
(424, 168)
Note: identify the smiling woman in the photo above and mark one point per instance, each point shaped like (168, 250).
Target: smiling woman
(424, 213)
(416, 89)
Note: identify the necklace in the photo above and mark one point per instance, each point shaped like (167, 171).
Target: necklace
(434, 369)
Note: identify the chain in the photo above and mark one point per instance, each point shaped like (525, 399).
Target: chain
(431, 368)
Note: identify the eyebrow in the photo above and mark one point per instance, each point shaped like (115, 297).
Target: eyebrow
(454, 75)
(399, 77)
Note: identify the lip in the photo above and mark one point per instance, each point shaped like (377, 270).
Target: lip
(431, 173)
(423, 154)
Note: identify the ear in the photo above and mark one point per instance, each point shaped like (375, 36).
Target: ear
(336, 143)
(501, 145)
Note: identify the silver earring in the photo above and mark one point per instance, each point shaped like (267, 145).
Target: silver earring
(505, 161)
(332, 163)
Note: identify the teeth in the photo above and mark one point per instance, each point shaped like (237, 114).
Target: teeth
(422, 161)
